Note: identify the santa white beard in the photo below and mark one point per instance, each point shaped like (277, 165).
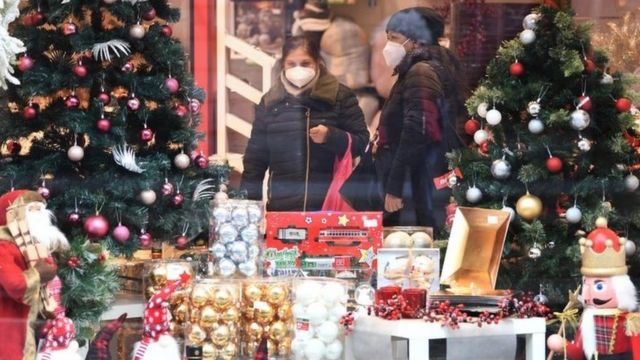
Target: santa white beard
(588, 331)
(70, 353)
(43, 231)
(166, 348)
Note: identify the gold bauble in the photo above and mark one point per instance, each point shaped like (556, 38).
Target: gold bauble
(194, 315)
(178, 297)
(264, 313)
(159, 275)
(199, 296)
(196, 335)
(254, 330)
(277, 294)
(209, 351)
(277, 330)
(228, 352)
(249, 313)
(231, 315)
(180, 313)
(220, 336)
(252, 292)
(207, 316)
(284, 346)
(222, 299)
(529, 207)
(284, 311)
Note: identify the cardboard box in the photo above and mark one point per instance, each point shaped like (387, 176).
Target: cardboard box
(474, 252)
(409, 268)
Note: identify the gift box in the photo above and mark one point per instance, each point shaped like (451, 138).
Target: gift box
(338, 242)
(474, 252)
(409, 268)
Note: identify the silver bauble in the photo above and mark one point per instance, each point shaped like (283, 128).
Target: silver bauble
(218, 250)
(573, 215)
(474, 195)
(584, 145)
(238, 251)
(631, 183)
(226, 267)
(480, 136)
(527, 36)
(221, 214)
(629, 247)
(500, 169)
(250, 233)
(529, 21)
(227, 233)
(240, 216)
(535, 126)
(579, 119)
(248, 268)
(535, 252)
(255, 213)
(511, 211)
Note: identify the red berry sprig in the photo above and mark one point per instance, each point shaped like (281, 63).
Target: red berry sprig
(347, 323)
(73, 262)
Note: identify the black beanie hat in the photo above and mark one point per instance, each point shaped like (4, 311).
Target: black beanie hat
(420, 24)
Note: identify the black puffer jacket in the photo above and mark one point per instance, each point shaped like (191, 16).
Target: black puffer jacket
(300, 170)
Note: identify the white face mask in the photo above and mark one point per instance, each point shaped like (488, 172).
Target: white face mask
(300, 75)
(394, 53)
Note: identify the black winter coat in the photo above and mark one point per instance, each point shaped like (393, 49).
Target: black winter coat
(300, 170)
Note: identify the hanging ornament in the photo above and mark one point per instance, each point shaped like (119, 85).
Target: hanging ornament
(75, 153)
(573, 214)
(104, 97)
(474, 195)
(172, 85)
(44, 191)
(201, 161)
(148, 196)
(500, 169)
(166, 30)
(30, 111)
(529, 207)
(535, 126)
(584, 102)
(145, 239)
(80, 70)
(482, 109)
(527, 36)
(167, 188)
(72, 101)
(146, 134)
(631, 183)
(606, 79)
(127, 67)
(629, 247)
(541, 298)
(177, 199)
(516, 69)
(529, 21)
(494, 117)
(69, 28)
(96, 226)
(181, 161)
(584, 144)
(484, 147)
(471, 126)
(74, 218)
(194, 106)
(25, 63)
(37, 17)
(580, 119)
(150, 14)
(533, 108)
(554, 163)
(623, 105)
(180, 110)
(182, 241)
(121, 233)
(535, 251)
(589, 65)
(103, 124)
(480, 136)
(13, 147)
(133, 103)
(137, 31)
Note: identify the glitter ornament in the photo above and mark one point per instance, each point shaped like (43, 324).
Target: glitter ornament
(327, 331)
(255, 213)
(533, 108)
(276, 294)
(238, 251)
(221, 214)
(75, 153)
(573, 215)
(584, 145)
(333, 351)
(534, 252)
(314, 349)
(240, 217)
(527, 36)
(226, 267)
(250, 233)
(227, 233)
(248, 268)
(317, 313)
(500, 169)
(473, 195)
(218, 250)
(579, 119)
(529, 21)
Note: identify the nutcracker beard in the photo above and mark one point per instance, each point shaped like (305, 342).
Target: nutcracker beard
(41, 228)
(166, 348)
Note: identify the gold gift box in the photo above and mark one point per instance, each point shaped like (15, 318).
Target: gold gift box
(474, 252)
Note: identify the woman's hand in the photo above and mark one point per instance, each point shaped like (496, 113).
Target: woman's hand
(392, 203)
(319, 134)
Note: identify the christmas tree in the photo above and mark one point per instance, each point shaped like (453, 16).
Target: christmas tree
(554, 141)
(104, 125)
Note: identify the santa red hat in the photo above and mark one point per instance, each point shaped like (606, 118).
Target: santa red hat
(8, 199)
(59, 333)
(156, 314)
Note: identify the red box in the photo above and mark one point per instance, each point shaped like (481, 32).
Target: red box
(322, 240)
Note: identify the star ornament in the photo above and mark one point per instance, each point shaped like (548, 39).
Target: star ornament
(367, 256)
(343, 220)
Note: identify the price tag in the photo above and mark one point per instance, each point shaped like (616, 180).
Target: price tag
(492, 219)
(446, 180)
(302, 324)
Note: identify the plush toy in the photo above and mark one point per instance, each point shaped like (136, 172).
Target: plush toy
(609, 326)
(60, 340)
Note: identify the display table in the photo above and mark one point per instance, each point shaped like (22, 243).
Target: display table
(132, 304)
(419, 332)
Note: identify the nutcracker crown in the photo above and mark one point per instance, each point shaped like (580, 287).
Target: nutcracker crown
(603, 252)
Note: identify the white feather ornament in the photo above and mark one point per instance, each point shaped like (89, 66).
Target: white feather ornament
(124, 156)
(119, 48)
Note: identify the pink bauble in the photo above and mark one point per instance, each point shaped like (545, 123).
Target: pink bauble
(96, 226)
(172, 85)
(72, 102)
(177, 200)
(104, 97)
(80, 70)
(69, 29)
(74, 218)
(104, 125)
(25, 63)
(167, 189)
(181, 242)
(127, 67)
(44, 192)
(121, 233)
(133, 104)
(145, 239)
(29, 112)
(146, 134)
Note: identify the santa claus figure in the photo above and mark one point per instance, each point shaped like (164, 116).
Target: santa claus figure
(609, 328)
(59, 341)
(157, 342)
(26, 239)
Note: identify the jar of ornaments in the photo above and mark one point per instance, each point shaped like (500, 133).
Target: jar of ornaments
(267, 317)
(213, 329)
(318, 306)
(156, 274)
(236, 237)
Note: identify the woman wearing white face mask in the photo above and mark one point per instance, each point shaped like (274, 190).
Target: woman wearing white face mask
(300, 126)
(421, 120)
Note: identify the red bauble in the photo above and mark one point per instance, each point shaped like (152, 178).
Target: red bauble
(80, 70)
(25, 63)
(471, 126)
(104, 97)
(167, 30)
(72, 102)
(69, 28)
(74, 218)
(484, 147)
(181, 242)
(44, 192)
(29, 112)
(36, 18)
(145, 239)
(180, 110)
(149, 14)
(202, 162)
(133, 104)
(167, 189)
(554, 164)
(623, 105)
(177, 200)
(127, 67)
(104, 125)
(172, 85)
(13, 147)
(516, 69)
(96, 226)
(589, 66)
(587, 105)
(194, 106)
(146, 134)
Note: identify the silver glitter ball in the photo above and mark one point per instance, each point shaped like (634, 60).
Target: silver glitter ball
(238, 251)
(535, 252)
(221, 214)
(227, 233)
(541, 299)
(226, 267)
(500, 169)
(248, 268)
(580, 119)
(533, 108)
(218, 250)
(240, 216)
(250, 233)
(584, 145)
(254, 252)
(255, 213)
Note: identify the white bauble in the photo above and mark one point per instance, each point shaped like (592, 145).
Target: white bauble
(511, 211)
(297, 347)
(421, 239)
(317, 313)
(500, 169)
(327, 331)
(333, 293)
(308, 292)
(631, 183)
(397, 239)
(148, 196)
(494, 117)
(580, 119)
(334, 351)
(533, 108)
(535, 126)
(474, 195)
(584, 145)
(314, 349)
(482, 109)
(137, 31)
(75, 153)
(529, 21)
(606, 79)
(527, 36)
(299, 310)
(182, 161)
(629, 247)
(480, 136)
(573, 215)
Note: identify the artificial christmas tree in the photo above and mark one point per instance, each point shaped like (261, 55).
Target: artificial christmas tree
(552, 146)
(104, 126)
